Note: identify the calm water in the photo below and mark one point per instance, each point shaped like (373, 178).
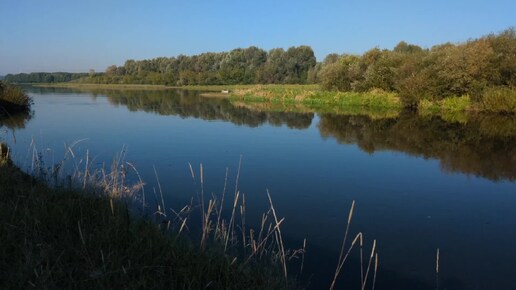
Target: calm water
(419, 183)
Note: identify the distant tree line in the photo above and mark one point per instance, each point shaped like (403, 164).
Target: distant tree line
(471, 68)
(43, 77)
(239, 66)
(483, 68)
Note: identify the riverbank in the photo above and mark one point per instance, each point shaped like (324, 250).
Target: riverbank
(313, 97)
(55, 238)
(13, 100)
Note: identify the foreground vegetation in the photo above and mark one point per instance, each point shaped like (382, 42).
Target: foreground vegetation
(84, 235)
(56, 238)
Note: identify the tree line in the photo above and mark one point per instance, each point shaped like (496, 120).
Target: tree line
(44, 77)
(239, 66)
(470, 68)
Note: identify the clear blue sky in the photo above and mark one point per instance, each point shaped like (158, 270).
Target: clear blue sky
(58, 35)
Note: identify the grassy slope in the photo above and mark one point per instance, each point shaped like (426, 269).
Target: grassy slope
(63, 239)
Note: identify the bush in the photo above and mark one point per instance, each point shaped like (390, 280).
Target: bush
(499, 100)
(12, 98)
(455, 104)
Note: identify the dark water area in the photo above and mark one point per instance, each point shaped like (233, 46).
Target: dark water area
(419, 183)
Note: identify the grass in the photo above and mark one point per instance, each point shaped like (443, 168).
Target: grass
(82, 233)
(499, 100)
(13, 100)
(66, 237)
(452, 109)
(310, 98)
(494, 100)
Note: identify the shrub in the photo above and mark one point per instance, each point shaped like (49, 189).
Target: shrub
(13, 99)
(499, 100)
(455, 104)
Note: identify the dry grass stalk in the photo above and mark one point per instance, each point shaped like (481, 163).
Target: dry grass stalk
(265, 239)
(279, 237)
(230, 229)
(369, 265)
(375, 269)
(361, 261)
(140, 181)
(303, 257)
(161, 211)
(207, 224)
(218, 233)
(437, 270)
(242, 218)
(342, 258)
(201, 172)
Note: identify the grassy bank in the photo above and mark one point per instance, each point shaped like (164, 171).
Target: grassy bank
(314, 98)
(13, 100)
(495, 100)
(310, 98)
(70, 239)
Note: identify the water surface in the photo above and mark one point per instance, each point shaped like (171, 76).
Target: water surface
(420, 183)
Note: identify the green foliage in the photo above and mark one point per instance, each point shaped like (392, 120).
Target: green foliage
(456, 104)
(239, 66)
(449, 70)
(13, 99)
(499, 100)
(315, 99)
(43, 77)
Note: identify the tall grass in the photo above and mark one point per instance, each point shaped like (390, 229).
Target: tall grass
(100, 244)
(499, 100)
(80, 233)
(12, 99)
(345, 252)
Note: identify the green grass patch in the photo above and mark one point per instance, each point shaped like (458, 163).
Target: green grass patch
(452, 109)
(312, 94)
(499, 100)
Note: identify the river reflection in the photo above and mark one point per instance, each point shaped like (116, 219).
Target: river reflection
(481, 146)
(190, 104)
(484, 146)
(15, 121)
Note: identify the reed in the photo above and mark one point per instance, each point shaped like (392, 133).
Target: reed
(344, 254)
(241, 246)
(105, 247)
(279, 237)
(437, 270)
